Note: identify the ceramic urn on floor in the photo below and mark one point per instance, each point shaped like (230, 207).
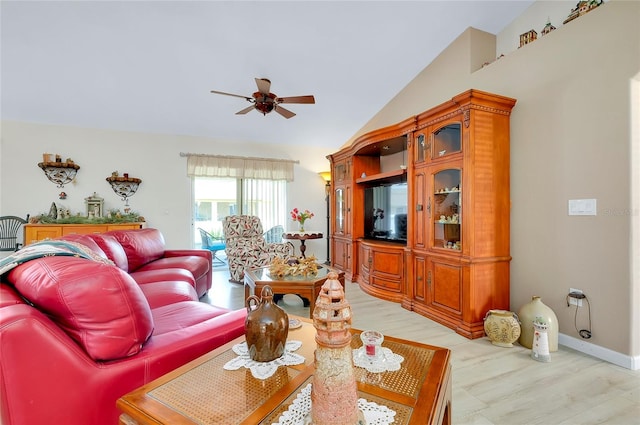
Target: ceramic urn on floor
(528, 313)
(502, 327)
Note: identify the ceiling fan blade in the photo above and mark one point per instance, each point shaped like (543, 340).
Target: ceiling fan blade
(284, 112)
(296, 99)
(230, 94)
(264, 85)
(245, 110)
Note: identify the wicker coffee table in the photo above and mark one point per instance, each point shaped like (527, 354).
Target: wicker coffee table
(202, 392)
(306, 286)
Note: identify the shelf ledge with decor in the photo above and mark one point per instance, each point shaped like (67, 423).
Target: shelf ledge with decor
(124, 186)
(59, 173)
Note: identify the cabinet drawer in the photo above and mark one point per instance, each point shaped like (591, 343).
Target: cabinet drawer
(34, 234)
(386, 283)
(111, 227)
(83, 230)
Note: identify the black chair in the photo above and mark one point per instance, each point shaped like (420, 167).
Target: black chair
(9, 228)
(213, 244)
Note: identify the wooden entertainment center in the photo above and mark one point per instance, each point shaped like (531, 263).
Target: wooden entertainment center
(445, 252)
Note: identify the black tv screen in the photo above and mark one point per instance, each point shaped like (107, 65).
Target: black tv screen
(385, 212)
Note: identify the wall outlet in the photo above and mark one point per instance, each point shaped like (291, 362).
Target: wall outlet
(575, 301)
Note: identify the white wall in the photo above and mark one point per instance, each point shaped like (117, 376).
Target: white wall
(164, 197)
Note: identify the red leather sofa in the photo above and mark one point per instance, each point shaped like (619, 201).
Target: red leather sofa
(78, 333)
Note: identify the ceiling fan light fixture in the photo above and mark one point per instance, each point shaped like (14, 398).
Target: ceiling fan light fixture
(265, 102)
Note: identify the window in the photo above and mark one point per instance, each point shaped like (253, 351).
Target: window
(227, 185)
(216, 198)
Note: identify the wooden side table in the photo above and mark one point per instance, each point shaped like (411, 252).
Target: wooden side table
(305, 286)
(302, 237)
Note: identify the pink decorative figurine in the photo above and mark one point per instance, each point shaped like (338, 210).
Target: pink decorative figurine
(334, 395)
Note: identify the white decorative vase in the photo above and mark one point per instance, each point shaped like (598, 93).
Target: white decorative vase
(540, 348)
(502, 327)
(528, 313)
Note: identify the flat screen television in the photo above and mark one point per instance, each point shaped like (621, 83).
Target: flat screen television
(385, 212)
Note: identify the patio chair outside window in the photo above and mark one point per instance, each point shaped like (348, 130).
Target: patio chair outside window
(213, 244)
(274, 235)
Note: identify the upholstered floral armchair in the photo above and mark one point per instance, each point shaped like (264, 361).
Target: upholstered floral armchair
(246, 246)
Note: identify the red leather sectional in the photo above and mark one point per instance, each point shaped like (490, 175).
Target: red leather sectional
(77, 334)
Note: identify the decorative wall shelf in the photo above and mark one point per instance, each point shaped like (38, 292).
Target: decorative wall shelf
(125, 187)
(59, 173)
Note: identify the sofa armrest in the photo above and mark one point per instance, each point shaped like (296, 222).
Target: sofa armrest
(40, 363)
(204, 253)
(185, 252)
(41, 366)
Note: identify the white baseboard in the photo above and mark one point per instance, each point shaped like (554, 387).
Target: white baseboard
(623, 360)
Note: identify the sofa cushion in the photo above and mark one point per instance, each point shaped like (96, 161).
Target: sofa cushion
(85, 240)
(168, 292)
(112, 248)
(98, 305)
(148, 276)
(8, 296)
(198, 266)
(182, 315)
(141, 246)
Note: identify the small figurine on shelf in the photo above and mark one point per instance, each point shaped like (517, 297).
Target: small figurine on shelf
(62, 195)
(53, 211)
(547, 28)
(528, 37)
(581, 8)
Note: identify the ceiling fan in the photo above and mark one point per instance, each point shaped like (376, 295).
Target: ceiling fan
(264, 101)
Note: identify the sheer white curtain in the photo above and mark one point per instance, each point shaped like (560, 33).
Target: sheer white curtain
(263, 182)
(267, 199)
(199, 165)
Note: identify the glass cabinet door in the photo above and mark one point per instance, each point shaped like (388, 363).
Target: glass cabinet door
(340, 205)
(421, 148)
(341, 172)
(447, 209)
(446, 140)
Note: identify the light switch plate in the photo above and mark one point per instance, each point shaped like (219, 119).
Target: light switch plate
(582, 207)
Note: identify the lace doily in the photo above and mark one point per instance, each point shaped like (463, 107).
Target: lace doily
(388, 361)
(374, 414)
(263, 370)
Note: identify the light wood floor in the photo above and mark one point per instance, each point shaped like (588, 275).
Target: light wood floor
(492, 385)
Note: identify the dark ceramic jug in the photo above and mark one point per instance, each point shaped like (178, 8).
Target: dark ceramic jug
(266, 327)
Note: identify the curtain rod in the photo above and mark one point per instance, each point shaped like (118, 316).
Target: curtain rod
(183, 154)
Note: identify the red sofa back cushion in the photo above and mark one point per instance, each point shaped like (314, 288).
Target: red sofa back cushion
(85, 240)
(98, 305)
(112, 248)
(141, 246)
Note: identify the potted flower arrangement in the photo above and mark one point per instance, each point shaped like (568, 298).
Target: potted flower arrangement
(301, 217)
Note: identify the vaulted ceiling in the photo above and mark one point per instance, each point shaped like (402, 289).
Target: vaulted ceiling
(150, 66)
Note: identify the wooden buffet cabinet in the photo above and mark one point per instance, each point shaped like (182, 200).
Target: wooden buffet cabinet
(452, 262)
(37, 232)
